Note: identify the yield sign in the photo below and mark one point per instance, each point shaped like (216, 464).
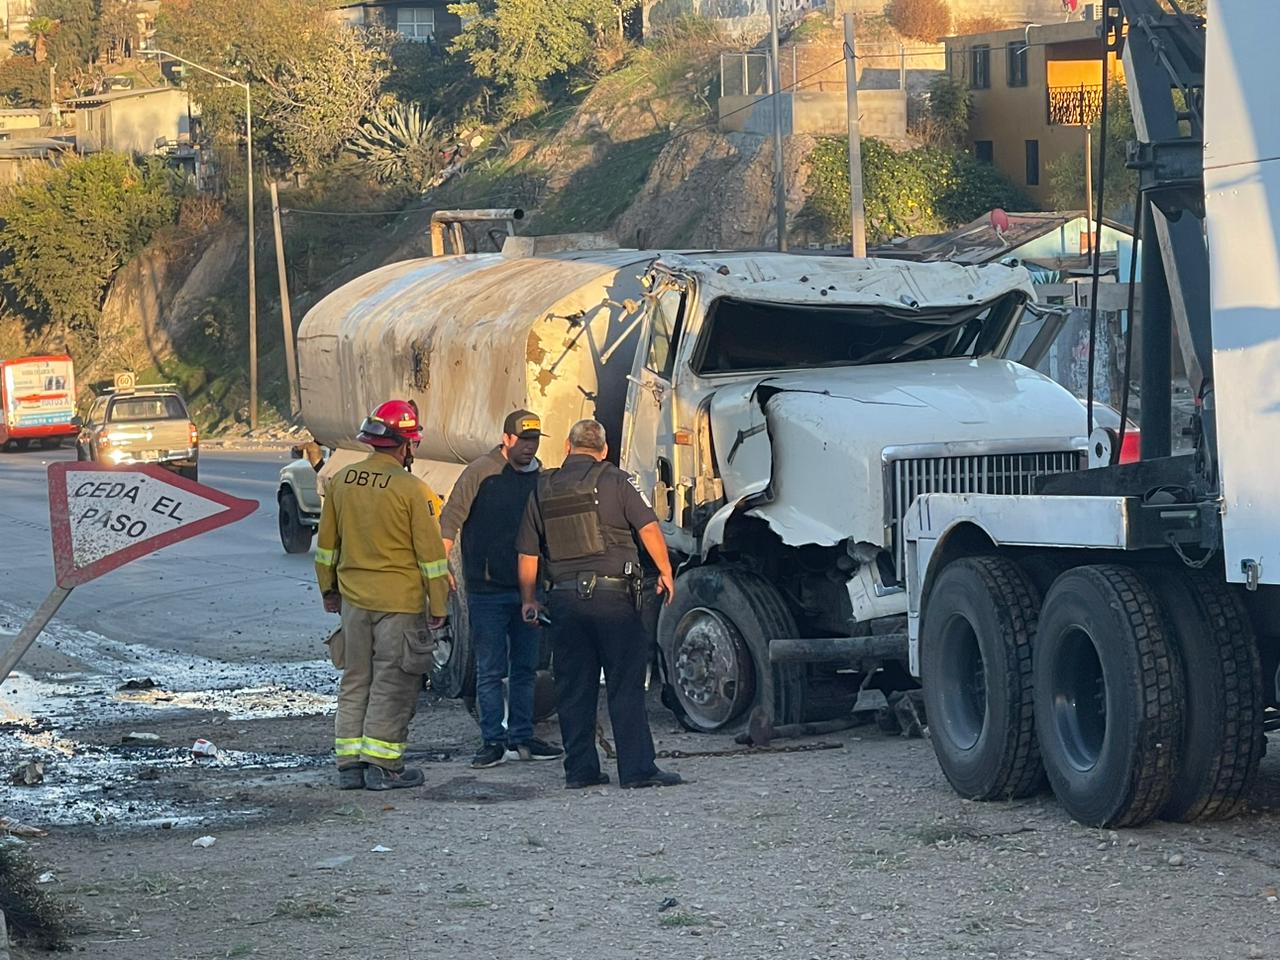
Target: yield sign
(102, 518)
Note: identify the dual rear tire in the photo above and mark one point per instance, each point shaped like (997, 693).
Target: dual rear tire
(1136, 695)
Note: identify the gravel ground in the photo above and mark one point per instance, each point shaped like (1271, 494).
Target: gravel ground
(857, 852)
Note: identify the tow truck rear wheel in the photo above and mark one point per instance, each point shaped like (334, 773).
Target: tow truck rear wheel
(714, 643)
(453, 674)
(1222, 744)
(975, 666)
(1108, 697)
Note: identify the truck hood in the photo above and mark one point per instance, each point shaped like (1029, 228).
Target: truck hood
(996, 398)
(812, 445)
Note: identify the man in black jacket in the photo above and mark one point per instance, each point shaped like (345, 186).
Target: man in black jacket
(484, 511)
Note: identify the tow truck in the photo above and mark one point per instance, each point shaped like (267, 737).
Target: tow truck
(1115, 631)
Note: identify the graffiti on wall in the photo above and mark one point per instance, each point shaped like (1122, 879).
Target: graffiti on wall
(731, 10)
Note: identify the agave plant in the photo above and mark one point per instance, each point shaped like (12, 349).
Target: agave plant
(399, 144)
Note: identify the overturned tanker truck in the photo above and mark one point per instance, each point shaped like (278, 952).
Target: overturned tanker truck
(782, 412)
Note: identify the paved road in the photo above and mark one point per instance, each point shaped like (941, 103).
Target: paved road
(232, 594)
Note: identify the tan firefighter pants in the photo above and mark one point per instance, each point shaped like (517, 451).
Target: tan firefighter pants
(382, 657)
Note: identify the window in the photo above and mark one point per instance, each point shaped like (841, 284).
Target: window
(1033, 163)
(416, 23)
(980, 67)
(163, 407)
(668, 315)
(742, 335)
(1016, 54)
(984, 150)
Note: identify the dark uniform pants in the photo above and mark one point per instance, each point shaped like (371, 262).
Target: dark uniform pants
(603, 632)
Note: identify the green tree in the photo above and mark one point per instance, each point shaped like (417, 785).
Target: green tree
(519, 44)
(1065, 173)
(24, 83)
(925, 190)
(312, 79)
(68, 229)
(949, 107)
(73, 46)
(42, 31)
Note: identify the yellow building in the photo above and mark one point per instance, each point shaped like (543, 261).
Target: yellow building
(1033, 91)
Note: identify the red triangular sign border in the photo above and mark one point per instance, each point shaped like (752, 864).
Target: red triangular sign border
(70, 575)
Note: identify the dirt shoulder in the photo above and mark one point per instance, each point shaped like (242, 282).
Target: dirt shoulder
(861, 851)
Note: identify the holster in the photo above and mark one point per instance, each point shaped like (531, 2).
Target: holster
(586, 586)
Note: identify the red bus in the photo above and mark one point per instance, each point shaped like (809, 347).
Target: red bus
(37, 401)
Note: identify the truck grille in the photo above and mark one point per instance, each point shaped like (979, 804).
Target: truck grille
(1005, 473)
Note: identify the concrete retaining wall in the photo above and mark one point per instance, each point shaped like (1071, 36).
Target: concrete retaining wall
(883, 114)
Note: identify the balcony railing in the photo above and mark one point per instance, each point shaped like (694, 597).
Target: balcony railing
(1076, 106)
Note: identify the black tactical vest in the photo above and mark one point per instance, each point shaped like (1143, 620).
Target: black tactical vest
(571, 517)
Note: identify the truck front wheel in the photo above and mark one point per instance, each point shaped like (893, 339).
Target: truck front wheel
(975, 666)
(295, 535)
(714, 643)
(1108, 697)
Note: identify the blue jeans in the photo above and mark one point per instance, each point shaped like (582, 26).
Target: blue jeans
(503, 644)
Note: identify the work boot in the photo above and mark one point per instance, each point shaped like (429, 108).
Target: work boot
(534, 749)
(490, 755)
(380, 778)
(351, 778)
(599, 781)
(659, 778)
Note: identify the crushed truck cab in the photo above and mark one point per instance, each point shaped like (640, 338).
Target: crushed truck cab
(784, 412)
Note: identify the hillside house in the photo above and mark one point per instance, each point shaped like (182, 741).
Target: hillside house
(140, 122)
(422, 21)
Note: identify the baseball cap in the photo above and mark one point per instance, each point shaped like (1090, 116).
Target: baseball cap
(523, 424)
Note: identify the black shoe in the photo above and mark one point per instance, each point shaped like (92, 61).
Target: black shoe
(379, 778)
(351, 778)
(490, 755)
(534, 749)
(599, 781)
(659, 778)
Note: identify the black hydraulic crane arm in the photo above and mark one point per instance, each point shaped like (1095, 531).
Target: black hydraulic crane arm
(1163, 51)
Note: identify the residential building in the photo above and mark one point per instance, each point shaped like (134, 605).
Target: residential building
(1034, 92)
(133, 121)
(423, 21)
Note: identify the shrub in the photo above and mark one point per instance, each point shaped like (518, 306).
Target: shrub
(920, 19)
(68, 229)
(982, 24)
(24, 83)
(33, 916)
(921, 191)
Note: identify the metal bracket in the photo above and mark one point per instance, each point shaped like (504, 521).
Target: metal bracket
(1252, 571)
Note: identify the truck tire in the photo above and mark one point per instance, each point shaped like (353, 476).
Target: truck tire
(1109, 697)
(975, 666)
(1222, 742)
(713, 641)
(453, 672)
(295, 535)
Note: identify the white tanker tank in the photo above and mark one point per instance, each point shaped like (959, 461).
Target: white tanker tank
(471, 338)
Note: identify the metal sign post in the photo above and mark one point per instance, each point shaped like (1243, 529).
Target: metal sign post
(102, 518)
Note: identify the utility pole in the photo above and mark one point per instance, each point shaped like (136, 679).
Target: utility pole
(857, 227)
(253, 275)
(779, 170)
(286, 314)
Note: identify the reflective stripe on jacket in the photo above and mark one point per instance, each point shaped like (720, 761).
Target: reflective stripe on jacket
(379, 541)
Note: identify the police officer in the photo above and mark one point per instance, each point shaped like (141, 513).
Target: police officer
(583, 519)
(379, 562)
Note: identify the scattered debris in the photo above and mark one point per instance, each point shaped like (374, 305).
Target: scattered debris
(47, 877)
(29, 774)
(667, 904)
(205, 842)
(19, 829)
(1272, 895)
(145, 683)
(134, 737)
(1176, 860)
(204, 749)
(333, 863)
(380, 849)
(148, 773)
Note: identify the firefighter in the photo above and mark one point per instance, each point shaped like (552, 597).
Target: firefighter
(583, 519)
(379, 560)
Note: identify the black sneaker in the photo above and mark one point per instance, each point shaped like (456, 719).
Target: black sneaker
(490, 755)
(351, 778)
(379, 778)
(659, 778)
(534, 749)
(599, 781)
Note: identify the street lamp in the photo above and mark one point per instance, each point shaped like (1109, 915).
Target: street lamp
(253, 284)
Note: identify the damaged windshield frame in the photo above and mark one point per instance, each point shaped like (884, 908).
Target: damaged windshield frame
(974, 331)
